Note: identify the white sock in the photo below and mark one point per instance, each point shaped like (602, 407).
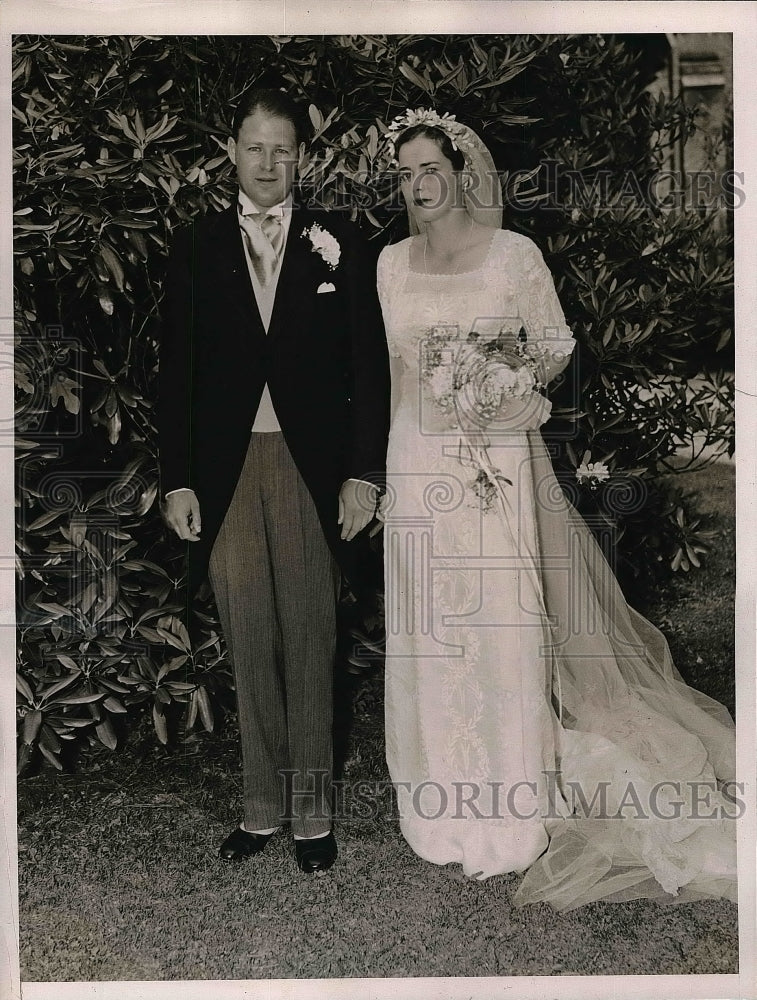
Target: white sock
(318, 836)
(263, 833)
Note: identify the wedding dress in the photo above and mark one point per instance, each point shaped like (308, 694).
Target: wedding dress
(534, 722)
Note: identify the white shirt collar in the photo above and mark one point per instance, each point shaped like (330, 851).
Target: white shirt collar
(247, 206)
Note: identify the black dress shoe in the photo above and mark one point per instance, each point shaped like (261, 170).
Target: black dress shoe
(315, 854)
(241, 844)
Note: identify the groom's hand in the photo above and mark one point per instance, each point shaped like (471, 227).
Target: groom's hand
(182, 513)
(357, 506)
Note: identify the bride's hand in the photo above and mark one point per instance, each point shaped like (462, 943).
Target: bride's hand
(357, 502)
(523, 413)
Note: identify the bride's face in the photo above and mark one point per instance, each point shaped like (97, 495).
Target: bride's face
(430, 185)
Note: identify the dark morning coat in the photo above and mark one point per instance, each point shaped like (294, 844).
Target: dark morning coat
(324, 358)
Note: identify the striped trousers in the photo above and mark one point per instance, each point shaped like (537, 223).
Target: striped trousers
(275, 583)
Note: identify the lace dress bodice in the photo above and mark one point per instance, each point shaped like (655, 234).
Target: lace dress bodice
(512, 284)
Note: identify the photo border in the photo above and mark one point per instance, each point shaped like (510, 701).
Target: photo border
(416, 17)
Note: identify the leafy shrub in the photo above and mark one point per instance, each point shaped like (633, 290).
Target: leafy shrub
(120, 140)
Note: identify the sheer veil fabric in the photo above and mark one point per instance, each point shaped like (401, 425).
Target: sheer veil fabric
(515, 669)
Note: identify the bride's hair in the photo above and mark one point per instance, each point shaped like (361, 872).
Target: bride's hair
(438, 136)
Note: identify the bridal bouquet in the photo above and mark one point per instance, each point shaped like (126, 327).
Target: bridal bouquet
(484, 384)
(474, 378)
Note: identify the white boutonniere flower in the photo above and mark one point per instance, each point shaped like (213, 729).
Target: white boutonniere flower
(324, 244)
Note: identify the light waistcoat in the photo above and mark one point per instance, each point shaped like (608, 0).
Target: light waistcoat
(266, 420)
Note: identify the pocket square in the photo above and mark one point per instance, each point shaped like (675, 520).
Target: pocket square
(326, 286)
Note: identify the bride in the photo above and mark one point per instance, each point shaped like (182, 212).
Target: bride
(534, 722)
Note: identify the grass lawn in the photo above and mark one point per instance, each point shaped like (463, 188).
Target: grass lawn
(119, 879)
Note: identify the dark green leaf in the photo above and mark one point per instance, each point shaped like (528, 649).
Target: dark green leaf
(23, 688)
(206, 711)
(106, 734)
(159, 721)
(32, 725)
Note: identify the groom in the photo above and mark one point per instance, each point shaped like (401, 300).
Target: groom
(273, 424)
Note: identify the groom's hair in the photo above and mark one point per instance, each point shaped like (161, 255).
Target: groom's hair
(270, 102)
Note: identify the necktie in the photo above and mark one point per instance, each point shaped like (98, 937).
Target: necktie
(264, 236)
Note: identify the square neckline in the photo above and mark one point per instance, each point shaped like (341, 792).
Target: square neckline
(453, 274)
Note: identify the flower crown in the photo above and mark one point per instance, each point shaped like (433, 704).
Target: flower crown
(459, 135)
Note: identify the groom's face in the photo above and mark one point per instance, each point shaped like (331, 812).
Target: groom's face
(266, 156)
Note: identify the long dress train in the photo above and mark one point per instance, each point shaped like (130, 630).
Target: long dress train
(534, 722)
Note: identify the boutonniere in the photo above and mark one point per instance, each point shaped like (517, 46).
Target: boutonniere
(324, 244)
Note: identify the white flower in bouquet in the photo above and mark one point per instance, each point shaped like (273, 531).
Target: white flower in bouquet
(502, 380)
(524, 382)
